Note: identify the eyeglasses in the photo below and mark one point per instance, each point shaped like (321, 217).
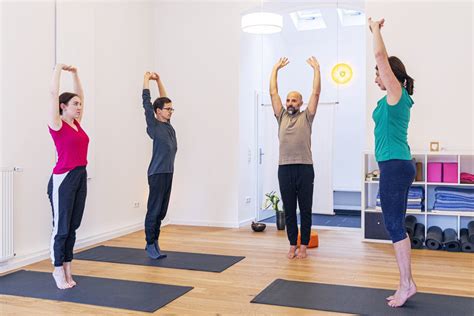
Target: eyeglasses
(169, 109)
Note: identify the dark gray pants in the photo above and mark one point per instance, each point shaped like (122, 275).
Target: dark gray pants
(158, 200)
(296, 186)
(67, 193)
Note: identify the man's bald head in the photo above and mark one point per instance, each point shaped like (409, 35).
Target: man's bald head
(294, 101)
(295, 94)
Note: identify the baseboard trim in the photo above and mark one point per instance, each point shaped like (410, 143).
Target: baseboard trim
(25, 260)
(246, 222)
(205, 223)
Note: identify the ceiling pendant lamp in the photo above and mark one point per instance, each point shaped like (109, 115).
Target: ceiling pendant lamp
(262, 23)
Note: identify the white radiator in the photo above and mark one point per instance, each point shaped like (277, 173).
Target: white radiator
(6, 214)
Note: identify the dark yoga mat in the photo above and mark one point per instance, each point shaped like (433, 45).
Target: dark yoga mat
(359, 300)
(131, 295)
(450, 240)
(466, 246)
(410, 222)
(175, 260)
(470, 228)
(418, 236)
(434, 238)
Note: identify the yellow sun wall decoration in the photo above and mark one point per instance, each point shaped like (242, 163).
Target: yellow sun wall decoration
(341, 73)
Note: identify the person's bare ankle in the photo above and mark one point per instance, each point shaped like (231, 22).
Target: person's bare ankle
(405, 291)
(68, 273)
(292, 252)
(60, 278)
(302, 252)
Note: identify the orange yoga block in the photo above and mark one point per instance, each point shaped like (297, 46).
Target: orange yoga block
(313, 240)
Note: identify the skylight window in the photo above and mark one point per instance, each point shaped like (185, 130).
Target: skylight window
(308, 20)
(351, 17)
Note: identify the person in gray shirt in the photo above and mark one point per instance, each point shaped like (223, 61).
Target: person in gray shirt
(160, 171)
(295, 170)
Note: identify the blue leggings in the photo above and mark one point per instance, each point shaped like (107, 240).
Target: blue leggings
(396, 177)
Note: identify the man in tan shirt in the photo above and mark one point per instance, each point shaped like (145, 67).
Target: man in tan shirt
(295, 170)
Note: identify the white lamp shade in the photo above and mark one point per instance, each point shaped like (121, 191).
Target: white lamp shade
(262, 23)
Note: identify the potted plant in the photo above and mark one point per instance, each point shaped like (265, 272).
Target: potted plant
(273, 200)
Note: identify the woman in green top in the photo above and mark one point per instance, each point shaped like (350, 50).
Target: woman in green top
(397, 170)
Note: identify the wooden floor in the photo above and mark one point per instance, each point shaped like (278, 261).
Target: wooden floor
(341, 259)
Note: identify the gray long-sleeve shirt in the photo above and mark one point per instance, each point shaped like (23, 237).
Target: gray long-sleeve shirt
(164, 139)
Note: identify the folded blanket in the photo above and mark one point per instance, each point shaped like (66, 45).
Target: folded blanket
(469, 193)
(449, 197)
(451, 202)
(415, 209)
(467, 177)
(413, 193)
(453, 207)
(410, 201)
(414, 206)
(416, 191)
(458, 205)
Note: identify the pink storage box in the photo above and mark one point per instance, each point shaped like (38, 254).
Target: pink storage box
(450, 172)
(435, 171)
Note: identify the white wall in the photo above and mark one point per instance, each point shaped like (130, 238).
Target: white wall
(257, 57)
(1, 87)
(24, 94)
(250, 82)
(113, 54)
(198, 58)
(435, 43)
(331, 45)
(349, 131)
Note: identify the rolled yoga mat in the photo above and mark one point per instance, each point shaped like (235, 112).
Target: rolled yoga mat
(418, 236)
(434, 238)
(470, 228)
(450, 240)
(410, 222)
(466, 246)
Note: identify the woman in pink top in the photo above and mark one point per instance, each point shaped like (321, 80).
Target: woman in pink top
(67, 187)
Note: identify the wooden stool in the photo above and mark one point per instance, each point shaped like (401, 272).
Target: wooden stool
(313, 240)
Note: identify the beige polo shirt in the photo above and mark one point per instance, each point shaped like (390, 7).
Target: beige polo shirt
(294, 132)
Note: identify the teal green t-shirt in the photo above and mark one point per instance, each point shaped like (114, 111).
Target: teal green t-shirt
(391, 128)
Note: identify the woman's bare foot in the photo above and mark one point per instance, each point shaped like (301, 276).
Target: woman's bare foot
(391, 297)
(68, 274)
(60, 278)
(402, 295)
(302, 252)
(292, 252)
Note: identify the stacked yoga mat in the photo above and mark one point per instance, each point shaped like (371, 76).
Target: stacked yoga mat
(416, 232)
(437, 239)
(454, 199)
(415, 201)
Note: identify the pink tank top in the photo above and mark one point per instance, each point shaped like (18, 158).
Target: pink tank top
(71, 146)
